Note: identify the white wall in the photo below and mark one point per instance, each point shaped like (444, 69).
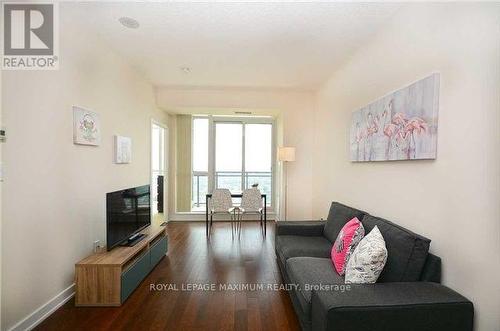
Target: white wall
(455, 199)
(55, 203)
(294, 113)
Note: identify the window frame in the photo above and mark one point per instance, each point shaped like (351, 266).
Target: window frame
(243, 120)
(199, 173)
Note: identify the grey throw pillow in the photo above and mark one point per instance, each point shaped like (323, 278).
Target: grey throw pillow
(368, 259)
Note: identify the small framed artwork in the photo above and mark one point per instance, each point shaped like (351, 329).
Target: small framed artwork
(123, 149)
(86, 127)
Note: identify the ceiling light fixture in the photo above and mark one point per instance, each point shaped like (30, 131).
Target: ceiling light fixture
(129, 22)
(185, 70)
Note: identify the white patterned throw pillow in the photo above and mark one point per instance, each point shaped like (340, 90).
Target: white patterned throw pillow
(368, 259)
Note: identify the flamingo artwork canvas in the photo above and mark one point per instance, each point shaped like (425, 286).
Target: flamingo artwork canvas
(399, 126)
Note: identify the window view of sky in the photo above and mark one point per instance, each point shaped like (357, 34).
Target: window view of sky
(229, 158)
(228, 147)
(258, 144)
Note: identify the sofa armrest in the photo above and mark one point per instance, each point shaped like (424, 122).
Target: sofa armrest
(391, 307)
(300, 228)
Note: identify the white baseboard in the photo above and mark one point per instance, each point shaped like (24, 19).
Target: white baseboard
(45, 310)
(186, 217)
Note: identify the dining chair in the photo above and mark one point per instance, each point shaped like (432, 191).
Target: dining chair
(251, 204)
(221, 203)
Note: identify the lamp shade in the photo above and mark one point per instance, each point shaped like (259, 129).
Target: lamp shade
(286, 154)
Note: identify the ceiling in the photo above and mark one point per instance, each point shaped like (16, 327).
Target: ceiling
(265, 45)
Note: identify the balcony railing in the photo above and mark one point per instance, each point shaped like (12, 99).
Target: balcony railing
(200, 189)
(231, 180)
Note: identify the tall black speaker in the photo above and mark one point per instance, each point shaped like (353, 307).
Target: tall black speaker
(159, 186)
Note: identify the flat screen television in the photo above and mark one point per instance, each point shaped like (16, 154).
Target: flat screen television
(127, 212)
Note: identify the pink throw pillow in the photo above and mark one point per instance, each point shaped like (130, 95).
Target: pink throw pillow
(350, 235)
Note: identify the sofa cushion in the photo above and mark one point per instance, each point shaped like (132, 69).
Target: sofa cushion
(367, 260)
(406, 251)
(307, 271)
(293, 246)
(347, 240)
(431, 272)
(338, 216)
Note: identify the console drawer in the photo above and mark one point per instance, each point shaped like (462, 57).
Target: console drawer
(158, 250)
(134, 275)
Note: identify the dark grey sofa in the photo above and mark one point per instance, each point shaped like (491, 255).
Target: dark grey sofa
(408, 295)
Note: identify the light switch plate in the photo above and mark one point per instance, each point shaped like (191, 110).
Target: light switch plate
(97, 246)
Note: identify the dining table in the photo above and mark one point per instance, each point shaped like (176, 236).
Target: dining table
(235, 195)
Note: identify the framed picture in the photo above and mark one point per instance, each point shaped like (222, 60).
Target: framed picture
(399, 126)
(86, 127)
(123, 149)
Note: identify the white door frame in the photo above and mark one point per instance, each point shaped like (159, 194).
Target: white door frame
(166, 160)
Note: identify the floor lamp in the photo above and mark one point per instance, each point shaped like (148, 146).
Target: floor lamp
(285, 155)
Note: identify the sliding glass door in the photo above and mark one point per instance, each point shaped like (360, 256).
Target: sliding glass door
(232, 153)
(243, 156)
(229, 156)
(258, 157)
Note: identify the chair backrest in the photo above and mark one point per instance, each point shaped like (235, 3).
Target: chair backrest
(221, 200)
(251, 199)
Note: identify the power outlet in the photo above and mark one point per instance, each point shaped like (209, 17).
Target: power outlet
(97, 245)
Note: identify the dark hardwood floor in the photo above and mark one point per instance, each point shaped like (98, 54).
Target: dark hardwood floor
(192, 259)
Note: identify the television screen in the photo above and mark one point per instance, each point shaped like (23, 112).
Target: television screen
(127, 212)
